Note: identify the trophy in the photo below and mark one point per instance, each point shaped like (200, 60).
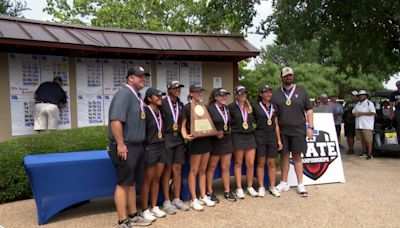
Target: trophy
(201, 124)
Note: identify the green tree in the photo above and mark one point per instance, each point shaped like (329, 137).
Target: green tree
(366, 32)
(222, 16)
(12, 8)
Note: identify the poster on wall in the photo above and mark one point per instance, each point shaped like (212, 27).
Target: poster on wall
(23, 114)
(90, 110)
(54, 66)
(190, 73)
(89, 76)
(65, 115)
(24, 73)
(167, 71)
(322, 162)
(146, 64)
(107, 103)
(114, 75)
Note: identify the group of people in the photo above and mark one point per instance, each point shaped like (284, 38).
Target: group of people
(149, 138)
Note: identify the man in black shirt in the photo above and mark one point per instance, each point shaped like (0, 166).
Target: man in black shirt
(49, 97)
(395, 105)
(349, 121)
(293, 103)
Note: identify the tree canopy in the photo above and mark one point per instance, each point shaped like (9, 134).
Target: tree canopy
(207, 16)
(366, 33)
(12, 8)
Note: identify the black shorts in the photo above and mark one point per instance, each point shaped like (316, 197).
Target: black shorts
(267, 148)
(199, 146)
(243, 141)
(349, 130)
(129, 171)
(294, 144)
(221, 146)
(154, 153)
(338, 129)
(175, 155)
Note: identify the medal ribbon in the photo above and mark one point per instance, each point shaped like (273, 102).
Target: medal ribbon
(224, 115)
(271, 110)
(158, 119)
(175, 114)
(243, 112)
(137, 97)
(290, 94)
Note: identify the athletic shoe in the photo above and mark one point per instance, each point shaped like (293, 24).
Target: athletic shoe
(350, 151)
(156, 211)
(125, 224)
(205, 200)
(229, 196)
(369, 156)
(147, 215)
(274, 191)
(239, 193)
(261, 191)
(169, 208)
(302, 190)
(180, 205)
(195, 204)
(213, 197)
(138, 220)
(361, 155)
(283, 187)
(252, 192)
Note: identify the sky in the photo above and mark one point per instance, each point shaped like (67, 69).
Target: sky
(263, 10)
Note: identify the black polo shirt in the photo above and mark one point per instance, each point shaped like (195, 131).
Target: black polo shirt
(292, 118)
(50, 92)
(186, 113)
(395, 97)
(171, 138)
(348, 115)
(151, 127)
(263, 130)
(217, 118)
(237, 119)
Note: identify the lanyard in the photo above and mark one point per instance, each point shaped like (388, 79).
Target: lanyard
(175, 114)
(223, 115)
(271, 110)
(137, 97)
(158, 119)
(290, 94)
(243, 112)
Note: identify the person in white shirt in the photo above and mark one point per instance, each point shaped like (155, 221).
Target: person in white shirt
(364, 112)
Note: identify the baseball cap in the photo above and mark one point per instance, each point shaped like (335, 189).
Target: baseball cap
(154, 91)
(239, 89)
(354, 92)
(264, 88)
(137, 71)
(221, 92)
(362, 92)
(398, 83)
(286, 71)
(174, 84)
(195, 88)
(323, 95)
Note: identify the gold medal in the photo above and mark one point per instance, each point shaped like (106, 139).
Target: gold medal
(269, 122)
(175, 127)
(159, 134)
(143, 115)
(288, 102)
(226, 127)
(245, 125)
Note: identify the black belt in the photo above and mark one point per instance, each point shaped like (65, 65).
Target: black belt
(42, 102)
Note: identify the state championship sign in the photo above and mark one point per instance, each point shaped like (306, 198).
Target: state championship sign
(322, 162)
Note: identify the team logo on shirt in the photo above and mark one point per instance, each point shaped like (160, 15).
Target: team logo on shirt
(321, 152)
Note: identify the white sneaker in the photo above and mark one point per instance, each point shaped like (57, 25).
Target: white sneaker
(282, 187)
(147, 215)
(195, 204)
(302, 190)
(261, 191)
(239, 193)
(252, 192)
(156, 211)
(207, 201)
(274, 191)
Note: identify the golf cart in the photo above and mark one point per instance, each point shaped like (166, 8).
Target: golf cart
(385, 137)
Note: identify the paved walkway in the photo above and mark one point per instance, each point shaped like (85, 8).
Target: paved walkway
(369, 198)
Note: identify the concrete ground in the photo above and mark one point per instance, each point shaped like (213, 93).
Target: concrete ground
(369, 198)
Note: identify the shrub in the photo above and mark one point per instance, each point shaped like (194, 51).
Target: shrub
(14, 183)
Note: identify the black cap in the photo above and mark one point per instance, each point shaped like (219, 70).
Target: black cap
(221, 92)
(264, 88)
(154, 91)
(239, 89)
(195, 88)
(174, 84)
(137, 71)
